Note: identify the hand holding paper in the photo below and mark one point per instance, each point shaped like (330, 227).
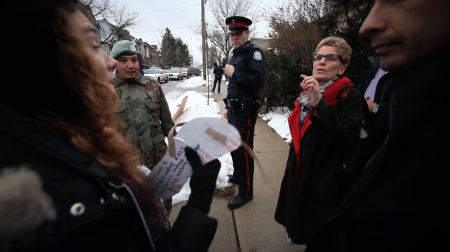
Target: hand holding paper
(203, 181)
(209, 137)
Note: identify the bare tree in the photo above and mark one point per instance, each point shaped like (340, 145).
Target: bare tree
(214, 56)
(217, 29)
(294, 26)
(119, 15)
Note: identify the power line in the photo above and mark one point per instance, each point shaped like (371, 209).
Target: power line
(197, 6)
(168, 9)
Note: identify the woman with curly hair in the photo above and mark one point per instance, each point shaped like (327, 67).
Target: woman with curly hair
(69, 181)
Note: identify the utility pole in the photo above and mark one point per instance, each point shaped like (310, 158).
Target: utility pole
(207, 59)
(204, 40)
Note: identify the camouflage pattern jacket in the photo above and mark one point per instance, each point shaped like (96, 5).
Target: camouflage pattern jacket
(145, 115)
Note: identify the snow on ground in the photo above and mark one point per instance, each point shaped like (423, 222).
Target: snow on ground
(170, 96)
(277, 119)
(193, 82)
(197, 106)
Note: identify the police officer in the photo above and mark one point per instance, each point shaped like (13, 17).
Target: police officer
(246, 76)
(143, 108)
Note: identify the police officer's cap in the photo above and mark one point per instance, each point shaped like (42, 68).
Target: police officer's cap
(237, 24)
(123, 47)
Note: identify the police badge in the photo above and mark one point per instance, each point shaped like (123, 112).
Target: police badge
(257, 55)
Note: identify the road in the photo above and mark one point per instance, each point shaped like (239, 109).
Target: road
(170, 89)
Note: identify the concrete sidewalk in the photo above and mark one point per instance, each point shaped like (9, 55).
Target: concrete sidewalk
(252, 228)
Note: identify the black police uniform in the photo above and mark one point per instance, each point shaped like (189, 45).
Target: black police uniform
(243, 104)
(218, 71)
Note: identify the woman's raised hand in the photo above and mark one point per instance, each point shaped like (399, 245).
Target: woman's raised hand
(311, 87)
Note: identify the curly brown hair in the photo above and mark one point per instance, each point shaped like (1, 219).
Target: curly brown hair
(95, 130)
(63, 92)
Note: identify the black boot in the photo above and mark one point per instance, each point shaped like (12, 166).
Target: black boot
(233, 180)
(238, 201)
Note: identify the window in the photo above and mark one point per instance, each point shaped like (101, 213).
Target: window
(106, 48)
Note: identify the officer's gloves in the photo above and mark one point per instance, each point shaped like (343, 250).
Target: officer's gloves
(203, 181)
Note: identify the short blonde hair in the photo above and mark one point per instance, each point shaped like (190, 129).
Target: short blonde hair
(344, 50)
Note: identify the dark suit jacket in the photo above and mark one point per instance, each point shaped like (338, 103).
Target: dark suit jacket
(376, 125)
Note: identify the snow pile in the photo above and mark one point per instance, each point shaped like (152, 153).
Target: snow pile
(172, 95)
(278, 120)
(193, 82)
(197, 106)
(222, 180)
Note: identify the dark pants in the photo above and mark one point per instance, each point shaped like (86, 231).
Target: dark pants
(218, 80)
(242, 161)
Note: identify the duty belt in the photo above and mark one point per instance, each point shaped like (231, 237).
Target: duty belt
(241, 104)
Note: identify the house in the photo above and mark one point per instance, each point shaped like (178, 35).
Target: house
(149, 53)
(109, 35)
(155, 55)
(262, 43)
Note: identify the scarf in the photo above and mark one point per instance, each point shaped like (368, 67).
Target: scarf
(298, 129)
(307, 104)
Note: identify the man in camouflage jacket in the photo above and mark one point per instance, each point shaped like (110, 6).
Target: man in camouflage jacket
(145, 115)
(143, 109)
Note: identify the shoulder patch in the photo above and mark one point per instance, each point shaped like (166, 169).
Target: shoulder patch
(257, 55)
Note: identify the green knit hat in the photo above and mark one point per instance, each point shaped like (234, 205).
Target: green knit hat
(123, 47)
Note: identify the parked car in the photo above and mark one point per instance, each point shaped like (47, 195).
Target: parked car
(167, 74)
(184, 71)
(175, 74)
(157, 74)
(193, 72)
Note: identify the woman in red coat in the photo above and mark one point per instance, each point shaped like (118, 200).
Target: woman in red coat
(324, 130)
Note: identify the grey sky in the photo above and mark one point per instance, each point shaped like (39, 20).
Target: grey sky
(179, 16)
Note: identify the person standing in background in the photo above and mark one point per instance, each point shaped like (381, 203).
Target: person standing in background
(218, 72)
(143, 110)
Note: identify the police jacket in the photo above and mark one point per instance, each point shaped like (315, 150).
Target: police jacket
(250, 71)
(96, 211)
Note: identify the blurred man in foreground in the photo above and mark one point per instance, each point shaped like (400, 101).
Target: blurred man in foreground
(401, 200)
